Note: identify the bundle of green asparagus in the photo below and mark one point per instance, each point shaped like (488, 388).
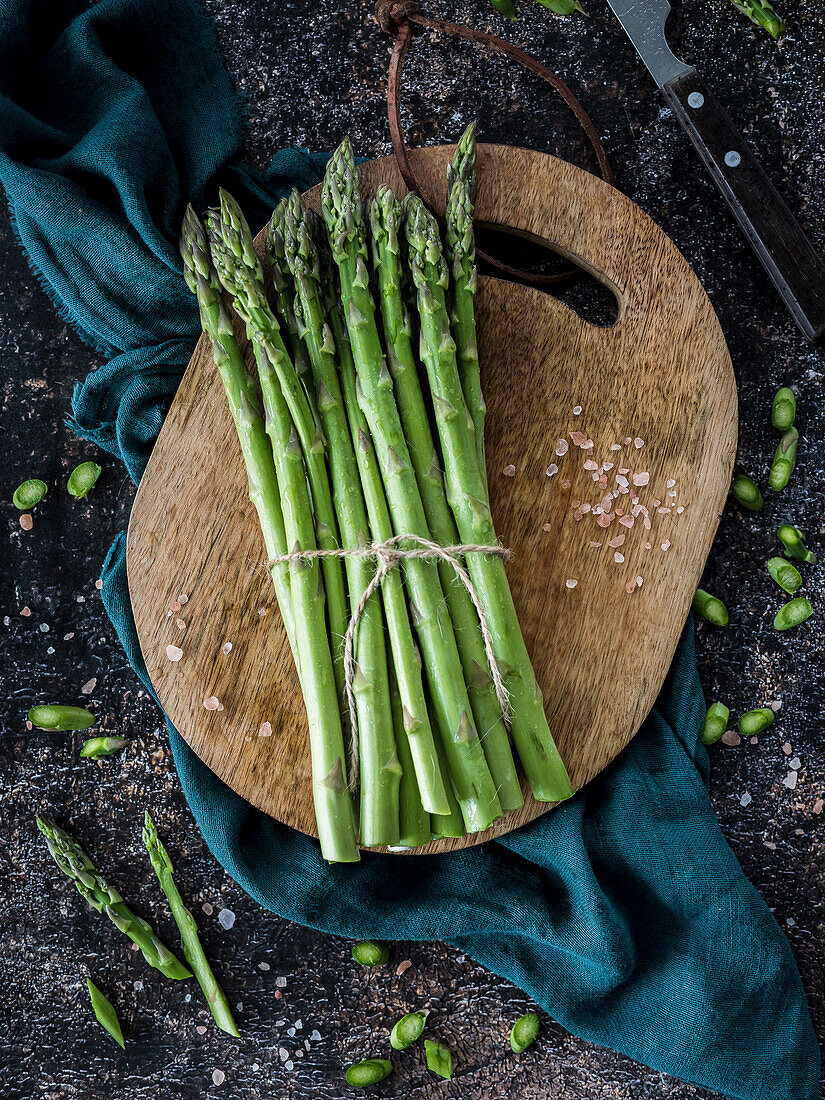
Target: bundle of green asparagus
(421, 716)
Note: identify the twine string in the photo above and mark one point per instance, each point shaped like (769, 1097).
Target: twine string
(388, 556)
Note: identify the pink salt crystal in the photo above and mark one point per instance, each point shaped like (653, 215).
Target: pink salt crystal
(679, 510)
(226, 648)
(175, 606)
(220, 707)
(403, 967)
(566, 483)
(787, 749)
(98, 584)
(547, 527)
(616, 541)
(628, 441)
(562, 447)
(577, 514)
(621, 480)
(663, 511)
(571, 582)
(265, 730)
(630, 586)
(277, 995)
(604, 520)
(552, 469)
(594, 545)
(615, 446)
(585, 508)
(587, 445)
(180, 624)
(603, 480)
(509, 471)
(89, 686)
(29, 726)
(817, 806)
(731, 737)
(25, 612)
(646, 522)
(607, 466)
(174, 653)
(656, 503)
(577, 410)
(579, 438)
(666, 544)
(211, 703)
(648, 545)
(641, 479)
(670, 483)
(637, 443)
(639, 582)
(627, 521)
(184, 598)
(26, 522)
(618, 558)
(590, 465)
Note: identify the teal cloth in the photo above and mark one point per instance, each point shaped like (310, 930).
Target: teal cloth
(624, 912)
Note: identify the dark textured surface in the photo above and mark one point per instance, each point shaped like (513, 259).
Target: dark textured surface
(310, 73)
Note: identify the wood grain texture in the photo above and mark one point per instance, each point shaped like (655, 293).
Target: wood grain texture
(661, 374)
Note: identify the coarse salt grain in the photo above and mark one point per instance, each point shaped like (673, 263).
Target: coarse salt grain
(579, 439)
(552, 470)
(25, 612)
(68, 637)
(265, 730)
(89, 686)
(663, 511)
(403, 966)
(607, 465)
(218, 1077)
(594, 545)
(732, 738)
(790, 781)
(226, 648)
(618, 558)
(184, 598)
(509, 471)
(616, 541)
(670, 483)
(786, 748)
(630, 586)
(547, 527)
(590, 465)
(211, 703)
(615, 446)
(174, 653)
(746, 799)
(795, 764)
(817, 806)
(639, 582)
(566, 483)
(98, 584)
(627, 521)
(562, 447)
(621, 480)
(641, 479)
(571, 582)
(637, 443)
(26, 522)
(666, 544)
(175, 606)
(180, 624)
(679, 510)
(577, 410)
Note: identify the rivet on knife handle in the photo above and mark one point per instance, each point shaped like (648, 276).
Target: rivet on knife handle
(776, 237)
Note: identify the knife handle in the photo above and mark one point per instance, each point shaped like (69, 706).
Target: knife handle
(776, 237)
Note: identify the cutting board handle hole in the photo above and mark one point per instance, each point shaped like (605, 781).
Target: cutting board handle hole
(586, 295)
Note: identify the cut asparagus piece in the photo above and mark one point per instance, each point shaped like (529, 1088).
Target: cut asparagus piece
(468, 498)
(105, 1013)
(333, 806)
(386, 221)
(192, 950)
(241, 274)
(430, 772)
(93, 888)
(470, 774)
(244, 403)
(379, 763)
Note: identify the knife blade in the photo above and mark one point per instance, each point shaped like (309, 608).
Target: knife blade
(775, 235)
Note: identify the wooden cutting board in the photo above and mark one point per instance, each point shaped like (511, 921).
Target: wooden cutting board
(660, 377)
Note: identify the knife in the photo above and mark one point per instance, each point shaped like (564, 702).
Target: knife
(776, 237)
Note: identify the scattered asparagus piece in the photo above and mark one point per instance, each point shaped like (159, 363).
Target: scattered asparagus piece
(716, 722)
(52, 716)
(192, 950)
(761, 13)
(561, 7)
(793, 541)
(408, 1029)
(784, 460)
(105, 1013)
(787, 576)
(430, 771)
(28, 493)
(783, 412)
(241, 274)
(386, 217)
(244, 403)
(468, 768)
(710, 608)
(380, 768)
(101, 746)
(524, 1032)
(439, 1058)
(370, 953)
(468, 498)
(93, 887)
(368, 1072)
(793, 613)
(754, 721)
(746, 493)
(82, 479)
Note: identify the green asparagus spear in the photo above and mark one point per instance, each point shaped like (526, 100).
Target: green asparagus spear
(429, 771)
(468, 498)
(784, 460)
(284, 290)
(761, 13)
(241, 274)
(333, 806)
(192, 950)
(793, 541)
(385, 220)
(380, 767)
(244, 403)
(105, 1013)
(53, 716)
(469, 771)
(93, 887)
(783, 412)
(414, 827)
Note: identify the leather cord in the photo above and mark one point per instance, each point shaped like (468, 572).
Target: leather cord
(397, 18)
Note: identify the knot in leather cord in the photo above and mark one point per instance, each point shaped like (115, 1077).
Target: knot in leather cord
(392, 14)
